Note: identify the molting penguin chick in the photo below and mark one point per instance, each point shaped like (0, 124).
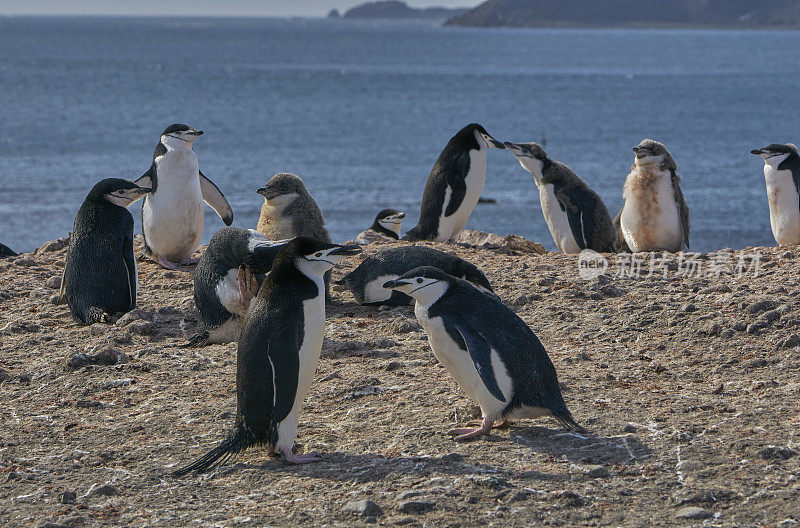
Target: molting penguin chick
(782, 175)
(100, 280)
(173, 214)
(386, 226)
(227, 278)
(454, 185)
(289, 210)
(577, 217)
(367, 280)
(278, 353)
(655, 216)
(492, 354)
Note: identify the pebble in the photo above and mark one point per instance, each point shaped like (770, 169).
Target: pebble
(776, 453)
(761, 306)
(67, 497)
(688, 308)
(134, 315)
(364, 508)
(692, 512)
(404, 326)
(25, 262)
(53, 282)
(415, 507)
(105, 490)
(98, 329)
(142, 327)
(106, 356)
(596, 471)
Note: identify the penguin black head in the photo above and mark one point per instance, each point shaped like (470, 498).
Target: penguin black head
(530, 155)
(313, 257)
(389, 222)
(651, 152)
(117, 191)
(482, 139)
(177, 136)
(282, 184)
(425, 284)
(776, 149)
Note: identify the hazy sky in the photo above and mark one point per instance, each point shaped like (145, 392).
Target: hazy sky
(197, 7)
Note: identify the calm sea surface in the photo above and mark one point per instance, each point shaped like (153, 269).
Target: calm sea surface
(362, 110)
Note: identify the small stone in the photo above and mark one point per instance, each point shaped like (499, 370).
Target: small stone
(50, 524)
(67, 497)
(105, 490)
(788, 255)
(692, 512)
(393, 365)
(384, 343)
(78, 360)
(413, 507)
(364, 508)
(596, 471)
(629, 428)
(73, 521)
(691, 465)
(761, 306)
(688, 308)
(791, 341)
(53, 282)
(776, 453)
(110, 356)
(404, 326)
(25, 262)
(770, 316)
(142, 328)
(134, 315)
(98, 329)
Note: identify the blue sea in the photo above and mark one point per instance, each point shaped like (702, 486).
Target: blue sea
(361, 110)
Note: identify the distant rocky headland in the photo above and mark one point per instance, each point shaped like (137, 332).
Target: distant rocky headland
(632, 13)
(393, 9)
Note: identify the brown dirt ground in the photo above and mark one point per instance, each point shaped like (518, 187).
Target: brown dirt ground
(689, 386)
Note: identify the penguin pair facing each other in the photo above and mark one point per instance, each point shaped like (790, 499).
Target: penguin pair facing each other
(227, 277)
(367, 280)
(492, 354)
(278, 353)
(100, 280)
(782, 176)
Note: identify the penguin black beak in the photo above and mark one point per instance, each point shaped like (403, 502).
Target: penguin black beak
(513, 148)
(396, 283)
(266, 193)
(640, 152)
(757, 152)
(143, 190)
(493, 143)
(400, 215)
(196, 132)
(346, 250)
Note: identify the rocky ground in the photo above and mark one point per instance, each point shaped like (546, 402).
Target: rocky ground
(689, 385)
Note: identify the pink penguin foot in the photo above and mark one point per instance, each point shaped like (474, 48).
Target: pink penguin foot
(462, 434)
(164, 263)
(189, 261)
(496, 425)
(305, 458)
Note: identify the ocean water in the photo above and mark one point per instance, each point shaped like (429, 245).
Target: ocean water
(362, 110)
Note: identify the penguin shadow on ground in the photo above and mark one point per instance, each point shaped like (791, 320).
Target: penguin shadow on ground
(583, 447)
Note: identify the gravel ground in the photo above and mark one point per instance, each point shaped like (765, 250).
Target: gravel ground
(688, 384)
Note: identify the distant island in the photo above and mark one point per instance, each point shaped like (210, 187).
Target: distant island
(632, 13)
(393, 9)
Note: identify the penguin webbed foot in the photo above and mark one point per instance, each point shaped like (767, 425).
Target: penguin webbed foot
(290, 457)
(200, 340)
(189, 261)
(462, 434)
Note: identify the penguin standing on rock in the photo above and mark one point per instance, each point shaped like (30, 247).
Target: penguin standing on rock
(782, 175)
(278, 353)
(100, 280)
(226, 279)
(454, 185)
(655, 216)
(492, 354)
(577, 217)
(387, 225)
(173, 214)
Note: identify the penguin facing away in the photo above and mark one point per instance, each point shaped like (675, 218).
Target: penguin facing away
(226, 279)
(387, 226)
(454, 185)
(100, 281)
(655, 216)
(782, 176)
(289, 210)
(492, 354)
(278, 353)
(173, 214)
(577, 217)
(367, 280)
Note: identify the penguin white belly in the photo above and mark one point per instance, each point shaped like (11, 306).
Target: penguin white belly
(451, 226)
(272, 223)
(314, 331)
(227, 291)
(784, 206)
(374, 290)
(460, 365)
(650, 218)
(172, 217)
(557, 220)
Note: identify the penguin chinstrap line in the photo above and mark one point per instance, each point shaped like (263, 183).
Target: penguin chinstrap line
(655, 216)
(782, 176)
(454, 185)
(226, 280)
(490, 352)
(575, 214)
(278, 353)
(387, 226)
(367, 280)
(100, 281)
(173, 215)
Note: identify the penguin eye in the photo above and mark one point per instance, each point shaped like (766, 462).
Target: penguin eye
(318, 255)
(419, 281)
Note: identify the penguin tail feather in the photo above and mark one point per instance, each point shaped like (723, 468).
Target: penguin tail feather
(238, 440)
(569, 422)
(199, 340)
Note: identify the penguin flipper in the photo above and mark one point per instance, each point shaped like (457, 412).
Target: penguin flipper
(215, 199)
(792, 163)
(481, 353)
(575, 216)
(455, 178)
(620, 246)
(284, 360)
(130, 265)
(683, 209)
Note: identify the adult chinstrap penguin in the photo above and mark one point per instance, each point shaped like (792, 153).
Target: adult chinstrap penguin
(227, 278)
(782, 176)
(655, 216)
(577, 217)
(6, 251)
(387, 226)
(278, 353)
(366, 282)
(100, 280)
(173, 214)
(492, 354)
(454, 185)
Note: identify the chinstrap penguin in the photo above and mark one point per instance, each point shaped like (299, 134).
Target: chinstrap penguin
(100, 280)
(6, 251)
(278, 353)
(454, 185)
(782, 176)
(227, 278)
(577, 217)
(387, 226)
(173, 214)
(655, 216)
(367, 280)
(492, 354)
